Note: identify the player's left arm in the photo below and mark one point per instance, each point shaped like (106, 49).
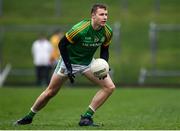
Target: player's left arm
(104, 52)
(65, 56)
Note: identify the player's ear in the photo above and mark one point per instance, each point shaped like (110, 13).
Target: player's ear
(93, 15)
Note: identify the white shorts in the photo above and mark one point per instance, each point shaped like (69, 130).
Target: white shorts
(76, 69)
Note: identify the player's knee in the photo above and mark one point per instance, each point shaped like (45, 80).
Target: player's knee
(111, 88)
(50, 93)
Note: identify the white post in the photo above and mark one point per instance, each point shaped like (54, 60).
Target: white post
(4, 74)
(116, 36)
(153, 42)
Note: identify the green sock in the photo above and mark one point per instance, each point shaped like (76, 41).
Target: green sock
(89, 113)
(31, 114)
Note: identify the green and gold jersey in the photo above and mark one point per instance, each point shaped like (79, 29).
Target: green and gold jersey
(85, 41)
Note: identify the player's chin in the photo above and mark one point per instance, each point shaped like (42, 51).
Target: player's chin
(103, 24)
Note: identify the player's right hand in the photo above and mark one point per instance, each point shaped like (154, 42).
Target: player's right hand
(71, 77)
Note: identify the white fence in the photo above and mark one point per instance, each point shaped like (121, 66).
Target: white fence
(154, 72)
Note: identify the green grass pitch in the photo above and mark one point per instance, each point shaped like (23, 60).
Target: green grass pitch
(128, 108)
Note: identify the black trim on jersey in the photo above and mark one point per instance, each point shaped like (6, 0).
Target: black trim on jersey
(104, 52)
(64, 53)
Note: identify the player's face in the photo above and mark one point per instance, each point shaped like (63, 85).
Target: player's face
(100, 17)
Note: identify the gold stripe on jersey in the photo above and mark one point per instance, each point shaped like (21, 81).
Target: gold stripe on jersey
(69, 35)
(76, 31)
(80, 29)
(73, 31)
(69, 38)
(108, 35)
(106, 44)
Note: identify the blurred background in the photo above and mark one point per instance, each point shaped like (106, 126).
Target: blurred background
(145, 49)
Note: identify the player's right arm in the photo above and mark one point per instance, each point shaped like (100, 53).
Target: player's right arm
(71, 37)
(65, 56)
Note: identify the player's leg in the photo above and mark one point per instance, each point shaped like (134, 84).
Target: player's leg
(107, 87)
(54, 86)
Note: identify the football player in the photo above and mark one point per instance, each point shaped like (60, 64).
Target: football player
(77, 48)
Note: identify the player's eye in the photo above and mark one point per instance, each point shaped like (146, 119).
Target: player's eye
(103, 14)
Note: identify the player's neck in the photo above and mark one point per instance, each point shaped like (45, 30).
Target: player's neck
(95, 26)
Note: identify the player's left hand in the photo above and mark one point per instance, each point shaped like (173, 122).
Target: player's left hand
(102, 78)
